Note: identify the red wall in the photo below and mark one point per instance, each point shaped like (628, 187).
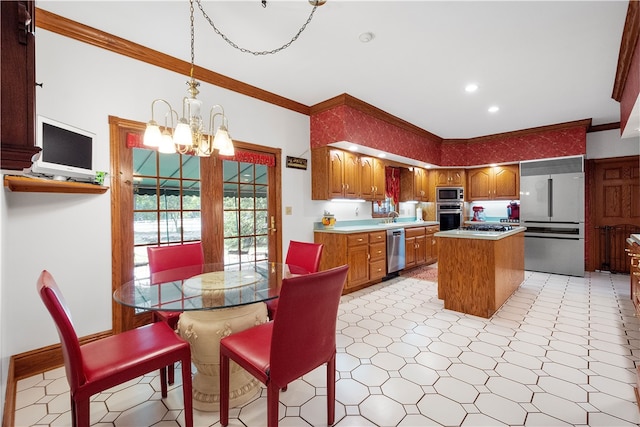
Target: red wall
(559, 143)
(344, 123)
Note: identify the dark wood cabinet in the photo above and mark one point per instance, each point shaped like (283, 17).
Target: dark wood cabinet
(17, 129)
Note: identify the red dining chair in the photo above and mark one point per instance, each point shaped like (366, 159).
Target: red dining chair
(301, 338)
(303, 255)
(107, 362)
(163, 258)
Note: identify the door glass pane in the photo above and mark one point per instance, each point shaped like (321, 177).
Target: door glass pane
(167, 205)
(246, 217)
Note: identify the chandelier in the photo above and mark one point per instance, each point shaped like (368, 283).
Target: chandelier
(186, 134)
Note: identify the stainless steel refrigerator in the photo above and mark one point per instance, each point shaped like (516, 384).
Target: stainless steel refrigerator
(552, 208)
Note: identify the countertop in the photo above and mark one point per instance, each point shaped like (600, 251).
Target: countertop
(476, 234)
(364, 228)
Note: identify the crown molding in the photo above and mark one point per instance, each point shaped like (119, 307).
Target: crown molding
(83, 33)
(630, 36)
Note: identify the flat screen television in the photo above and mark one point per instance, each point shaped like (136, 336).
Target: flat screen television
(66, 151)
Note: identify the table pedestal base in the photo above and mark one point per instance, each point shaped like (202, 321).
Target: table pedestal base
(203, 330)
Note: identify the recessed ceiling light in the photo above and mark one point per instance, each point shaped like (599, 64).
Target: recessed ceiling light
(366, 37)
(494, 109)
(471, 87)
(353, 148)
(382, 155)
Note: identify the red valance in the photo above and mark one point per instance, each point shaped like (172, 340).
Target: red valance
(135, 140)
(392, 189)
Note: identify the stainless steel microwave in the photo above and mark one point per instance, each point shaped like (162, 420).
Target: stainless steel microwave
(449, 194)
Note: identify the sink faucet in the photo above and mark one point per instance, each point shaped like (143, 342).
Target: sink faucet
(391, 217)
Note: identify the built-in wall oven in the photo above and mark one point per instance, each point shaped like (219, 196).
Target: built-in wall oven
(449, 215)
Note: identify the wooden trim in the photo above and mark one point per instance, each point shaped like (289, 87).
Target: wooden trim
(10, 397)
(607, 126)
(83, 33)
(34, 362)
(630, 36)
(370, 110)
(586, 123)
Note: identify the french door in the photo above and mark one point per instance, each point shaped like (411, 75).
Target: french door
(232, 205)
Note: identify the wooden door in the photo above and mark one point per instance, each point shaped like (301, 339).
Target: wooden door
(367, 178)
(479, 184)
(336, 168)
(410, 252)
(614, 211)
(351, 175)
(421, 250)
(358, 260)
(379, 179)
(506, 182)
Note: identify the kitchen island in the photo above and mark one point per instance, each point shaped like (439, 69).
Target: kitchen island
(478, 270)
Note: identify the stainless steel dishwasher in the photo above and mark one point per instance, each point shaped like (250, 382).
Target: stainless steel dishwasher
(395, 250)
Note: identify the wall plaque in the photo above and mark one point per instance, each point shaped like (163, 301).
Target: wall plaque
(296, 163)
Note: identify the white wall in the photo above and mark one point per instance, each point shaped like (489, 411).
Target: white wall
(605, 144)
(70, 234)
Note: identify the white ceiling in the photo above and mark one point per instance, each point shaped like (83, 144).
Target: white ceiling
(541, 62)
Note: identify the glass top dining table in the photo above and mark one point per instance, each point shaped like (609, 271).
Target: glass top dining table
(206, 287)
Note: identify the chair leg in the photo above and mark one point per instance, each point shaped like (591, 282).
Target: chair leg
(163, 381)
(273, 400)
(171, 374)
(80, 413)
(331, 390)
(224, 390)
(187, 392)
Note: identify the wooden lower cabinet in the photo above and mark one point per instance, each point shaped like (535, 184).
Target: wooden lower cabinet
(633, 250)
(431, 244)
(365, 253)
(420, 246)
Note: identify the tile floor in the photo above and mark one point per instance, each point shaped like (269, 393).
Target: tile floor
(561, 351)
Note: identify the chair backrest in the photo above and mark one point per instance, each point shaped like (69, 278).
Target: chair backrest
(163, 258)
(55, 303)
(305, 255)
(304, 331)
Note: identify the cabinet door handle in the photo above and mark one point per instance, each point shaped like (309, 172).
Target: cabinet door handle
(360, 240)
(368, 256)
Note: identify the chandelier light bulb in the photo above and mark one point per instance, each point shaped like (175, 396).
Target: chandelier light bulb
(182, 134)
(152, 135)
(166, 145)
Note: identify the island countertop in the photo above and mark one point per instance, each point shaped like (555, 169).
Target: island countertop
(478, 234)
(364, 228)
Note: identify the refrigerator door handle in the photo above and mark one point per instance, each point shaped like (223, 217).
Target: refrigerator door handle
(550, 197)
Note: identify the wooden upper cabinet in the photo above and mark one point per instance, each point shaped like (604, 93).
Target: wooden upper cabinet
(17, 129)
(450, 177)
(494, 183)
(372, 178)
(414, 185)
(336, 174)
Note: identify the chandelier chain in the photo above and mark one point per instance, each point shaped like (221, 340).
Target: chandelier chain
(192, 37)
(242, 49)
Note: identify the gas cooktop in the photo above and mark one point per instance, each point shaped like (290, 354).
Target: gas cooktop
(488, 227)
